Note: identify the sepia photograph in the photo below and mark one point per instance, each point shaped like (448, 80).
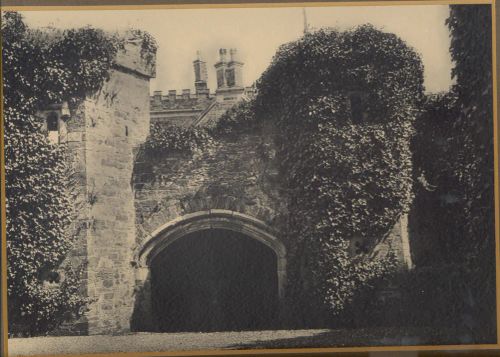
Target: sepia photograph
(231, 178)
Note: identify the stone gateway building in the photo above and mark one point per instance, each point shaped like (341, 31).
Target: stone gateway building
(178, 242)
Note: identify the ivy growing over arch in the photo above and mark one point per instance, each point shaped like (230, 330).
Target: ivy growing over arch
(165, 139)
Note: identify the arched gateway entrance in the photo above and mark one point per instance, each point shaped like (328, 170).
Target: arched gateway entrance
(214, 270)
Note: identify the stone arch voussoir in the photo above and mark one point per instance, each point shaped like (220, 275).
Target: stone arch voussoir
(167, 233)
(174, 209)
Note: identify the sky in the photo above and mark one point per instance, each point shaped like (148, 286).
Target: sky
(257, 33)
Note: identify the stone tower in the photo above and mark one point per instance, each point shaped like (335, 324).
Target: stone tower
(102, 133)
(116, 123)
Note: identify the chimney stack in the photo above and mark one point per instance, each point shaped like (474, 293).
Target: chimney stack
(220, 68)
(200, 75)
(222, 54)
(234, 71)
(232, 54)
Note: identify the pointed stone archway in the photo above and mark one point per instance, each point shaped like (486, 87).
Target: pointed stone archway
(184, 226)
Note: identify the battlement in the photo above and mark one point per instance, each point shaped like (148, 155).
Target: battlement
(138, 53)
(188, 100)
(185, 100)
(187, 108)
(229, 80)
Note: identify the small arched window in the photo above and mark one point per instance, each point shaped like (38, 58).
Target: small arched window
(52, 124)
(357, 107)
(53, 127)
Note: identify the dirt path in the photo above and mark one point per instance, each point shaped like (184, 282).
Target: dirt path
(148, 342)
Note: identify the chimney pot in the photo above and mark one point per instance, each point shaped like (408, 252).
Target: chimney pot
(233, 54)
(222, 54)
(200, 74)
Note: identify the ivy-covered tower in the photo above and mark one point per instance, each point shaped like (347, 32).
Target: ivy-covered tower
(102, 133)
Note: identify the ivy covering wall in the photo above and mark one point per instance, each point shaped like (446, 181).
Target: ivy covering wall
(471, 50)
(164, 139)
(42, 68)
(453, 216)
(345, 103)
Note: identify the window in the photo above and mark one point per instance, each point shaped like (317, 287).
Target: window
(53, 128)
(52, 122)
(220, 78)
(230, 77)
(357, 108)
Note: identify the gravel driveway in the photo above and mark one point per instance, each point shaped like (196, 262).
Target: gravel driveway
(163, 342)
(147, 342)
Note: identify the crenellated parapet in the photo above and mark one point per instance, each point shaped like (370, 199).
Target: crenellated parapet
(186, 108)
(137, 53)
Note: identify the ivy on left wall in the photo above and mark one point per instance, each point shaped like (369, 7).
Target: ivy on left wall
(43, 67)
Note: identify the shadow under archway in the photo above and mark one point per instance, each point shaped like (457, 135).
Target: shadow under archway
(236, 225)
(215, 280)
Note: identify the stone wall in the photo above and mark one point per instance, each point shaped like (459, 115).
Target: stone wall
(233, 183)
(116, 127)
(103, 133)
(397, 242)
(234, 174)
